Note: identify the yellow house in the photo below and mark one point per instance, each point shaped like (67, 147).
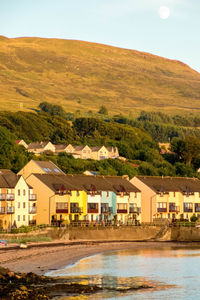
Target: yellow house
(168, 197)
(58, 200)
(40, 167)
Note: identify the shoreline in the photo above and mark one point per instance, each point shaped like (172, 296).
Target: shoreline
(41, 259)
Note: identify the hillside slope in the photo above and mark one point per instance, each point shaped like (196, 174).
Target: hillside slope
(83, 76)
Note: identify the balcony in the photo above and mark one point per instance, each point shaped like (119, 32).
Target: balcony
(32, 197)
(2, 197)
(10, 197)
(32, 210)
(93, 211)
(174, 209)
(2, 210)
(188, 210)
(161, 209)
(197, 207)
(10, 210)
(106, 209)
(62, 210)
(76, 210)
(134, 209)
(122, 211)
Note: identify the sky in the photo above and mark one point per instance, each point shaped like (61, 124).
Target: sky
(132, 24)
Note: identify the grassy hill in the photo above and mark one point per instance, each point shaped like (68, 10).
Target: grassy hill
(83, 76)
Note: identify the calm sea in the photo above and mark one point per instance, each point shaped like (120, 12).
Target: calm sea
(173, 273)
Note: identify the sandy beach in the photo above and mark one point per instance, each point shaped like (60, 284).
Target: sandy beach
(43, 258)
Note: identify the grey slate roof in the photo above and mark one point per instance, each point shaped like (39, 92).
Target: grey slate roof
(171, 184)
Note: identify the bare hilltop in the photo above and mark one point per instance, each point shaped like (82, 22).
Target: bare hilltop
(83, 76)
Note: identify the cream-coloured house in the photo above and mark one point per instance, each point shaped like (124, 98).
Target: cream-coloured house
(41, 147)
(64, 148)
(83, 152)
(17, 201)
(168, 197)
(40, 167)
(99, 153)
(112, 152)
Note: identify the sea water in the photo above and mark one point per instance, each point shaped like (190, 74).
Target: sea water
(173, 273)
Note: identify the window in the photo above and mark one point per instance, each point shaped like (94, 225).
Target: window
(18, 192)
(77, 194)
(92, 205)
(135, 195)
(174, 194)
(61, 205)
(24, 204)
(18, 218)
(122, 206)
(161, 205)
(107, 194)
(24, 192)
(24, 218)
(18, 205)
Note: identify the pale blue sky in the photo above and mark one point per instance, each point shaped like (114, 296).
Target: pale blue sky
(133, 24)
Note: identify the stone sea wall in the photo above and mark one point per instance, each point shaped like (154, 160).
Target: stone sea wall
(132, 233)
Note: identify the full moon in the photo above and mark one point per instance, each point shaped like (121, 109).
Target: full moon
(164, 12)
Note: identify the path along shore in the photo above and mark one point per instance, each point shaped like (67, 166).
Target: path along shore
(43, 257)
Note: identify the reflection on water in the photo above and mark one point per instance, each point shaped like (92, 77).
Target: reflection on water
(173, 273)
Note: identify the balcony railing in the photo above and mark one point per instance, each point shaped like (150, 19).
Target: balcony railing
(197, 208)
(188, 210)
(32, 210)
(161, 209)
(134, 209)
(76, 210)
(93, 211)
(106, 209)
(32, 197)
(2, 196)
(122, 211)
(61, 210)
(10, 197)
(10, 210)
(2, 210)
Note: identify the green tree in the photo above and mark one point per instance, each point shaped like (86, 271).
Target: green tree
(103, 110)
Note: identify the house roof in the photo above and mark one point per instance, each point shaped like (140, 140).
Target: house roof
(49, 167)
(92, 183)
(8, 179)
(121, 184)
(80, 147)
(57, 182)
(96, 149)
(37, 145)
(171, 184)
(60, 147)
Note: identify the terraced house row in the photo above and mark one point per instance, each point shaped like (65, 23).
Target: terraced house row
(42, 193)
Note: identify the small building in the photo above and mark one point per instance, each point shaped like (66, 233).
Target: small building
(41, 147)
(83, 152)
(21, 143)
(99, 153)
(113, 152)
(40, 167)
